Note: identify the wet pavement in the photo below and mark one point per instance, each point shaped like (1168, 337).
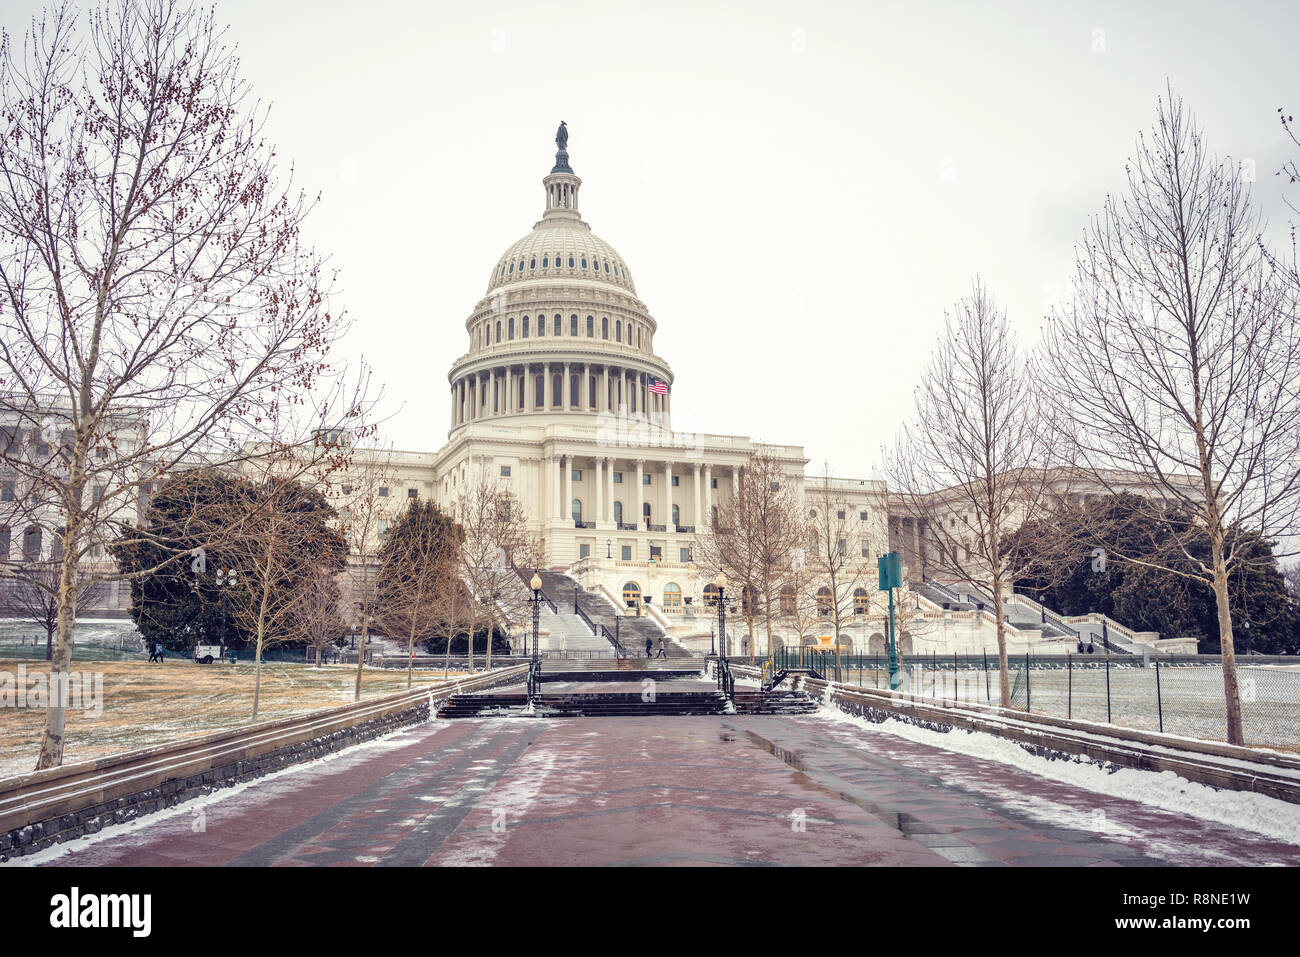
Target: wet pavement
(724, 790)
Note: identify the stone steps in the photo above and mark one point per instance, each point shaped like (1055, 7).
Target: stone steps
(626, 704)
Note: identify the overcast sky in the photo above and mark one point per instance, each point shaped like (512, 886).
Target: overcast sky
(800, 189)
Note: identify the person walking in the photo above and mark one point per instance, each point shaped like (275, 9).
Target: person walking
(649, 645)
(661, 649)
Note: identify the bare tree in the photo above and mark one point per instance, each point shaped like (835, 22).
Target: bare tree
(34, 596)
(365, 508)
(754, 540)
(496, 540)
(977, 459)
(1178, 357)
(156, 298)
(418, 565)
(317, 613)
(843, 563)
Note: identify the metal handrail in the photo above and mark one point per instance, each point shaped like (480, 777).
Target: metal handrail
(618, 645)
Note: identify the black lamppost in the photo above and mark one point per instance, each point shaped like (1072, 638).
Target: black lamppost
(536, 602)
(608, 543)
(1245, 628)
(721, 582)
(226, 578)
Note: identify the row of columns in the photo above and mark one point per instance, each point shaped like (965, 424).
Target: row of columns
(481, 395)
(601, 489)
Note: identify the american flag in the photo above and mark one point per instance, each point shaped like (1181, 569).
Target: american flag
(658, 388)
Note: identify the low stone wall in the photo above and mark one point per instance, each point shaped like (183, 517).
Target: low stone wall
(59, 804)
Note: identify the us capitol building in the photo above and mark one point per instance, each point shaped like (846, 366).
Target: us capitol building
(561, 398)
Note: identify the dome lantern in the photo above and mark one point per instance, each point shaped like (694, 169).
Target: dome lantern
(561, 183)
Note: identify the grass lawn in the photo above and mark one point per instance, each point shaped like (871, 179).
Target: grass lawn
(146, 704)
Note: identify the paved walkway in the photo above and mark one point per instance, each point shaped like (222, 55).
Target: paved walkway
(747, 790)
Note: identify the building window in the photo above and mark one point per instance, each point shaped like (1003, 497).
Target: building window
(412, 493)
(498, 330)
(575, 393)
(584, 262)
(710, 595)
(684, 555)
(645, 478)
(862, 516)
(787, 600)
(511, 326)
(672, 595)
(7, 492)
(645, 512)
(677, 516)
(591, 327)
(584, 551)
(577, 510)
(823, 602)
(656, 553)
(4, 543)
(505, 471)
(557, 393)
(840, 515)
(604, 327)
(618, 330)
(524, 330)
(383, 527)
(540, 393)
(861, 602)
(383, 491)
(625, 552)
(866, 550)
(841, 546)
(618, 478)
(570, 262)
(713, 483)
(577, 475)
(573, 320)
(676, 480)
(618, 512)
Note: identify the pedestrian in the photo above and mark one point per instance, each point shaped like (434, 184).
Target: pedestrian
(509, 650)
(649, 645)
(661, 649)
(153, 651)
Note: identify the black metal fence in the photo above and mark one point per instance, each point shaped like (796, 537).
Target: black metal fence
(1178, 694)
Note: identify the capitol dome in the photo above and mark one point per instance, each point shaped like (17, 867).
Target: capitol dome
(561, 249)
(560, 330)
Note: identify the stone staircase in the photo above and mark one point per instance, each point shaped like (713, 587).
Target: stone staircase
(632, 630)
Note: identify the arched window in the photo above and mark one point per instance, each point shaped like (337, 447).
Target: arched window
(584, 262)
(824, 602)
(710, 595)
(573, 323)
(638, 337)
(575, 391)
(498, 330)
(510, 333)
(559, 322)
(591, 392)
(677, 516)
(5, 536)
(557, 385)
(713, 515)
(672, 595)
(645, 512)
(532, 263)
(32, 544)
(520, 404)
(861, 601)
(546, 262)
(618, 512)
(570, 262)
(525, 327)
(604, 327)
(540, 393)
(618, 330)
(577, 510)
(787, 600)
(631, 594)
(591, 327)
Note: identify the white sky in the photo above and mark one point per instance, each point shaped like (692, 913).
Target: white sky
(800, 189)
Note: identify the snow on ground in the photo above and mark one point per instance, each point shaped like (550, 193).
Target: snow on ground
(198, 807)
(1276, 819)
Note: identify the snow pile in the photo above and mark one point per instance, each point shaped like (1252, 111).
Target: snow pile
(1276, 819)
